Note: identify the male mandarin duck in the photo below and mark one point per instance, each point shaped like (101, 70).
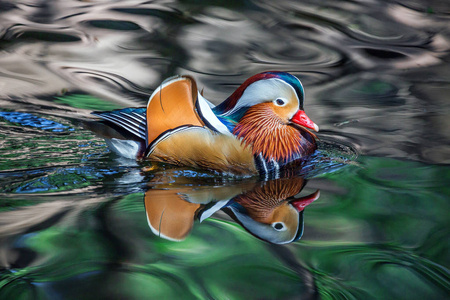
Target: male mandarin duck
(260, 128)
(267, 210)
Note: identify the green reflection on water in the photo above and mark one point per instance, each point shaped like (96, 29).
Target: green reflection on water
(378, 231)
(86, 102)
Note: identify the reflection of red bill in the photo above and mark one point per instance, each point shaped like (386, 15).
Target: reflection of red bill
(303, 202)
(302, 119)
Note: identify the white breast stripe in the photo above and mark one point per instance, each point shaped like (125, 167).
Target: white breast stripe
(207, 113)
(263, 162)
(277, 169)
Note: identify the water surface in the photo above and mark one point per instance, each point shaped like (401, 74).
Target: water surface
(73, 215)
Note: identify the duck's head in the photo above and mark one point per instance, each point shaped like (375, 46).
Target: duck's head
(267, 113)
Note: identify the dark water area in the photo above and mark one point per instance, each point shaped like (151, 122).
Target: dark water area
(79, 222)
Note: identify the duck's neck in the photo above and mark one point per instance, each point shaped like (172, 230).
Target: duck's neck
(229, 118)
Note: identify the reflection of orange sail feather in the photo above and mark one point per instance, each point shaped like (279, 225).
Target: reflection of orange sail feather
(172, 106)
(168, 215)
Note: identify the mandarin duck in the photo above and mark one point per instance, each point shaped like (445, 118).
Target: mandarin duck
(260, 128)
(267, 210)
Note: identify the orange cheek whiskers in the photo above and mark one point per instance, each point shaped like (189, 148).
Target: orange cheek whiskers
(261, 129)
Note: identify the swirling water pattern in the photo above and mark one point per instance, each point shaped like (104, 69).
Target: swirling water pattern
(72, 219)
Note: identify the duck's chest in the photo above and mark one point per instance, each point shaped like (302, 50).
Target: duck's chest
(199, 147)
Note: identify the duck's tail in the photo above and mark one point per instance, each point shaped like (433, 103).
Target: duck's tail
(124, 130)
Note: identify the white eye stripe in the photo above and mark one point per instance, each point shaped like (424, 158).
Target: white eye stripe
(263, 91)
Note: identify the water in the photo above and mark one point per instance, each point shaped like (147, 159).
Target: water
(73, 215)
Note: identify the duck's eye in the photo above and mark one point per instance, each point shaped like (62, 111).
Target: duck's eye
(278, 226)
(280, 102)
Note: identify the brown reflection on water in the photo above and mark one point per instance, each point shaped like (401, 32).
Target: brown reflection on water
(269, 210)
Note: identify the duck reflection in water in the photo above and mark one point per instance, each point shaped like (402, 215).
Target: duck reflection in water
(270, 210)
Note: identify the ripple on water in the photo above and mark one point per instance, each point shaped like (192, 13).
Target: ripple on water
(113, 24)
(45, 33)
(331, 155)
(72, 214)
